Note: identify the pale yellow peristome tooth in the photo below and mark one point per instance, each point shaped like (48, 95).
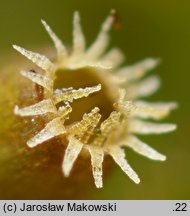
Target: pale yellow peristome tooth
(107, 127)
(52, 129)
(153, 110)
(114, 57)
(90, 131)
(97, 157)
(71, 94)
(39, 79)
(143, 149)
(92, 64)
(143, 88)
(40, 108)
(122, 94)
(61, 50)
(100, 44)
(118, 155)
(71, 153)
(139, 69)
(88, 120)
(83, 64)
(64, 111)
(118, 80)
(126, 107)
(142, 127)
(123, 106)
(101, 65)
(40, 60)
(78, 36)
(110, 121)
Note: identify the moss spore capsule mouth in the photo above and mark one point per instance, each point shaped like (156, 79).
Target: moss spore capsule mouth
(94, 134)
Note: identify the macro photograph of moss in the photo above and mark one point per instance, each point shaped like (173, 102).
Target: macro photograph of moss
(94, 100)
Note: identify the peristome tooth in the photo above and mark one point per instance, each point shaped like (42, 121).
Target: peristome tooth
(64, 111)
(88, 120)
(143, 88)
(78, 36)
(61, 50)
(143, 149)
(40, 60)
(71, 153)
(97, 157)
(39, 79)
(152, 110)
(138, 70)
(143, 127)
(71, 94)
(118, 155)
(107, 128)
(101, 43)
(114, 58)
(52, 129)
(43, 107)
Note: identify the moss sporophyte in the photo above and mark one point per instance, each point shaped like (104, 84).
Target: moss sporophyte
(101, 131)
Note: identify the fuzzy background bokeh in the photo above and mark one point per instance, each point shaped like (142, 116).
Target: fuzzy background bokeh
(156, 28)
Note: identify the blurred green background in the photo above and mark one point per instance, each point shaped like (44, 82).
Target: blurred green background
(156, 28)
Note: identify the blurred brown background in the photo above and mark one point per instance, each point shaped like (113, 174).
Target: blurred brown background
(156, 28)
